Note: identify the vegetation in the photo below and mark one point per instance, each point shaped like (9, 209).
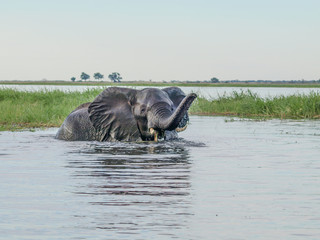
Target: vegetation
(73, 79)
(250, 105)
(115, 77)
(98, 76)
(21, 109)
(214, 80)
(84, 76)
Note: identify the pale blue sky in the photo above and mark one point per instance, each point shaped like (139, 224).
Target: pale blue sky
(160, 40)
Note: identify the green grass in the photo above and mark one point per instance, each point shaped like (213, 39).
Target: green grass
(250, 105)
(22, 109)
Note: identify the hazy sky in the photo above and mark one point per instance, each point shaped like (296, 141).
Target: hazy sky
(160, 39)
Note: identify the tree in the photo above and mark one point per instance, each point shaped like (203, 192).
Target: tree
(84, 76)
(98, 76)
(73, 79)
(115, 77)
(214, 80)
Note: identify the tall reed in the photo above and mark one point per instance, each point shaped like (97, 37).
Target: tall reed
(40, 108)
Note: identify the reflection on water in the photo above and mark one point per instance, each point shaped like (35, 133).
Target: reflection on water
(135, 169)
(143, 186)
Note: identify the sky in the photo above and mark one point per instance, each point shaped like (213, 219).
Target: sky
(160, 40)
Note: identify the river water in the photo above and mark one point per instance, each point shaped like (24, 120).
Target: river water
(224, 179)
(207, 92)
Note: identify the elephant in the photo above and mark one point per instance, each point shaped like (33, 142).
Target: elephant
(125, 114)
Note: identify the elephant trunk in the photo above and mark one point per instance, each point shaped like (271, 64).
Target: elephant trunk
(167, 120)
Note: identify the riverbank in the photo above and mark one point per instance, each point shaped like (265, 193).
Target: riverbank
(246, 104)
(22, 109)
(162, 84)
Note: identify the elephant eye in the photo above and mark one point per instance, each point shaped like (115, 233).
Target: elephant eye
(142, 110)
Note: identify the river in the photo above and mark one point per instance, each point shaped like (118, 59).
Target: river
(224, 179)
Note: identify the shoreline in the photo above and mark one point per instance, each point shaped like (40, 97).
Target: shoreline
(162, 84)
(18, 126)
(23, 110)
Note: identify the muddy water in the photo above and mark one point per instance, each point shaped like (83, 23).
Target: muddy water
(224, 179)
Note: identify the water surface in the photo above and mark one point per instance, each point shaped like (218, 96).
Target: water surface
(225, 179)
(207, 92)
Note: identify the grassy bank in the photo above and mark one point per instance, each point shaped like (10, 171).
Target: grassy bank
(250, 105)
(21, 109)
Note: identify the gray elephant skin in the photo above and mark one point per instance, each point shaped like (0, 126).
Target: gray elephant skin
(124, 114)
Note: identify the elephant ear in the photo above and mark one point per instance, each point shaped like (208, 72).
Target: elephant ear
(111, 115)
(175, 94)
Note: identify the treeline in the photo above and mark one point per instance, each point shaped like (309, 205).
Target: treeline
(216, 80)
(275, 81)
(114, 77)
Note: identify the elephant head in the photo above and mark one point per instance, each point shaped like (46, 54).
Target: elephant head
(127, 114)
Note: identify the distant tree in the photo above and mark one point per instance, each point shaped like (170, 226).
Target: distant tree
(84, 76)
(98, 76)
(73, 79)
(115, 77)
(214, 80)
